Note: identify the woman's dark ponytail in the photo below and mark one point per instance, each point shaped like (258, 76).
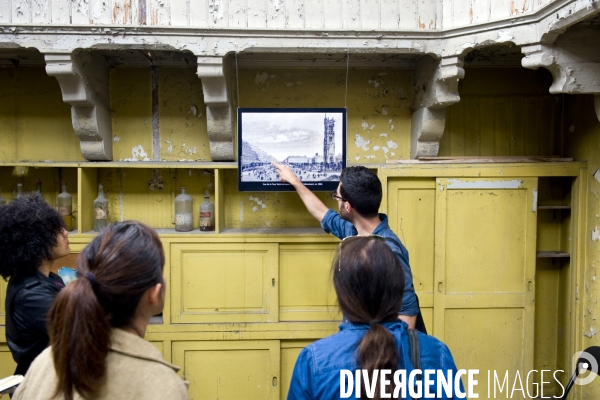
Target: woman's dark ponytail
(113, 272)
(369, 283)
(80, 334)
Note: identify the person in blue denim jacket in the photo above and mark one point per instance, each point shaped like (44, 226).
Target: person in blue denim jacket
(359, 197)
(369, 285)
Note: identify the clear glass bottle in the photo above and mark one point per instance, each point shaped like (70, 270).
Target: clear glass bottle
(2, 199)
(64, 204)
(38, 187)
(19, 190)
(207, 214)
(184, 204)
(100, 210)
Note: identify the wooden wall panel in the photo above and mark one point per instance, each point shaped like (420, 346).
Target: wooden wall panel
(332, 15)
(100, 12)
(257, 13)
(180, 13)
(276, 14)
(40, 11)
(199, 13)
(7, 364)
(407, 10)
(502, 126)
(369, 14)
(480, 11)
(80, 12)
(351, 16)
(294, 14)
(240, 13)
(314, 14)
(159, 12)
(390, 14)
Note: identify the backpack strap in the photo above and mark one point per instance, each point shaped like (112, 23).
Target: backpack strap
(415, 350)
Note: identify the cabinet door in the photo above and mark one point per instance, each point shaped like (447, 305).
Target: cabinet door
(485, 232)
(224, 282)
(411, 204)
(306, 291)
(290, 349)
(230, 369)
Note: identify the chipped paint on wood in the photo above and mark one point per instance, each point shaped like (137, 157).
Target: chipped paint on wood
(534, 201)
(138, 154)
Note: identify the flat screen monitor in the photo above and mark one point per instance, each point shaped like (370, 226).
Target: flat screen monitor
(311, 141)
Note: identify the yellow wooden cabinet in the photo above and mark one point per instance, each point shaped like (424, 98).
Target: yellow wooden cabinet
(244, 300)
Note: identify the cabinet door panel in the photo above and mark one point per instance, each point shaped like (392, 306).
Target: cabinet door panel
(305, 289)
(411, 204)
(290, 349)
(7, 364)
(3, 285)
(229, 369)
(484, 272)
(223, 282)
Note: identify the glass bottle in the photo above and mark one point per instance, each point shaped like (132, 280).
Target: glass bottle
(2, 200)
(64, 204)
(19, 190)
(100, 210)
(38, 187)
(207, 214)
(184, 205)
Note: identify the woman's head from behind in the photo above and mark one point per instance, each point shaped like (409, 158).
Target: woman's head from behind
(368, 280)
(119, 265)
(369, 283)
(118, 272)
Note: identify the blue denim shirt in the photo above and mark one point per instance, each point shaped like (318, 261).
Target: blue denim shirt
(317, 370)
(334, 224)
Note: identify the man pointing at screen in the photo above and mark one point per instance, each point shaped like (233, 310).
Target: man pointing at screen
(359, 197)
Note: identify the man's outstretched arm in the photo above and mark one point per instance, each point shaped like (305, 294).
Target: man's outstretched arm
(313, 204)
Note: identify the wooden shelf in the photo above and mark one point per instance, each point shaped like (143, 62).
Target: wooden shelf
(552, 254)
(126, 164)
(554, 207)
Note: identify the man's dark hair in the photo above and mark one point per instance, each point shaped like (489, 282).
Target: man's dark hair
(28, 233)
(362, 189)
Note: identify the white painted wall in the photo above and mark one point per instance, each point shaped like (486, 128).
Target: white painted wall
(380, 15)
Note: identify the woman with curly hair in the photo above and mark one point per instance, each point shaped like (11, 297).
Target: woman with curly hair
(32, 236)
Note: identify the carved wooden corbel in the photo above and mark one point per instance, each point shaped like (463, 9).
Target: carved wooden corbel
(436, 88)
(215, 78)
(573, 60)
(83, 80)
